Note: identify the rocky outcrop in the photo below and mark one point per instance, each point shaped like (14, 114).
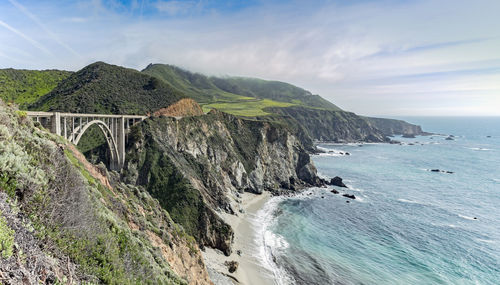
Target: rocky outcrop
(197, 166)
(390, 127)
(337, 181)
(182, 108)
(350, 196)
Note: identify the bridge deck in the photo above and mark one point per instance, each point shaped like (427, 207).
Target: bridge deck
(50, 114)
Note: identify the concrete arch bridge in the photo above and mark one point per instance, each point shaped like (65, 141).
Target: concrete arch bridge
(72, 126)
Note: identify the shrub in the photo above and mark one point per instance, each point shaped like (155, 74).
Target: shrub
(6, 238)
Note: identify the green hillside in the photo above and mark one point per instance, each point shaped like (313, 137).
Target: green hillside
(273, 90)
(24, 87)
(105, 88)
(237, 95)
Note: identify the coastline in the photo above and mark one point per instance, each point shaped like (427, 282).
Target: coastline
(251, 268)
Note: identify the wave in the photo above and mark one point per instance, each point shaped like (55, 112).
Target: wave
(479, 148)
(486, 240)
(354, 189)
(467, 217)
(410, 201)
(268, 242)
(331, 152)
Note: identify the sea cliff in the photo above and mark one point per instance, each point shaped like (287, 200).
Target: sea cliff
(197, 167)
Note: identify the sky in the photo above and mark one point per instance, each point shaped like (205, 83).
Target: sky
(381, 58)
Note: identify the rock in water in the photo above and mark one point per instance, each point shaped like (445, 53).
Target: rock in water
(409, 136)
(335, 191)
(435, 170)
(231, 266)
(350, 196)
(337, 181)
(450, 138)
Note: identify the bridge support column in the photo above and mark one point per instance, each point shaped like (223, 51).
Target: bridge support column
(118, 131)
(120, 141)
(56, 123)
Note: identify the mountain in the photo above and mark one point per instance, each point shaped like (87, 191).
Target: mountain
(274, 90)
(24, 87)
(105, 88)
(310, 115)
(231, 94)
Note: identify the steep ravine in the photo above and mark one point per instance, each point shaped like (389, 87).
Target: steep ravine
(198, 166)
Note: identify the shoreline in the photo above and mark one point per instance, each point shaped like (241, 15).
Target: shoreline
(251, 268)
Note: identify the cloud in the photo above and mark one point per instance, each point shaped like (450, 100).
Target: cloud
(30, 40)
(75, 20)
(175, 7)
(44, 28)
(371, 57)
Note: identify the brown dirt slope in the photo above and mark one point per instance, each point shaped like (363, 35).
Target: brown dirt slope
(182, 108)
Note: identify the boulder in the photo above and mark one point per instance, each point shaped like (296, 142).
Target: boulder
(335, 191)
(231, 265)
(337, 181)
(350, 196)
(409, 136)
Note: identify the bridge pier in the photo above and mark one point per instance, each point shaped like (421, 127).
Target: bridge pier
(55, 122)
(114, 128)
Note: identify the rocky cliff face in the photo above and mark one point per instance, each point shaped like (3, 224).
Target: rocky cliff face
(390, 127)
(197, 166)
(327, 125)
(63, 220)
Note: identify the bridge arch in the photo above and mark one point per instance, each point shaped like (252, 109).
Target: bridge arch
(72, 126)
(106, 131)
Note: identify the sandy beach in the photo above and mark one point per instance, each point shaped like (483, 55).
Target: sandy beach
(250, 270)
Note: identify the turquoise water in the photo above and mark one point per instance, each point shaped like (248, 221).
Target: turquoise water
(408, 225)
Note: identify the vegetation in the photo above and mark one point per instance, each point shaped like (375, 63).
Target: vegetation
(24, 87)
(246, 108)
(75, 215)
(6, 238)
(163, 179)
(105, 88)
(236, 95)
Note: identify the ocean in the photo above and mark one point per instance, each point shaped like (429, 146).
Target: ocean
(407, 225)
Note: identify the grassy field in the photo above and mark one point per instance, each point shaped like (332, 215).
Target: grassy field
(247, 108)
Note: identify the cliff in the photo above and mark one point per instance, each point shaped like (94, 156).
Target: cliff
(197, 166)
(390, 127)
(328, 125)
(63, 220)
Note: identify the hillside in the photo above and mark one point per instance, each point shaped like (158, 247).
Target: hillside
(236, 95)
(327, 125)
(105, 88)
(197, 167)
(65, 221)
(24, 87)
